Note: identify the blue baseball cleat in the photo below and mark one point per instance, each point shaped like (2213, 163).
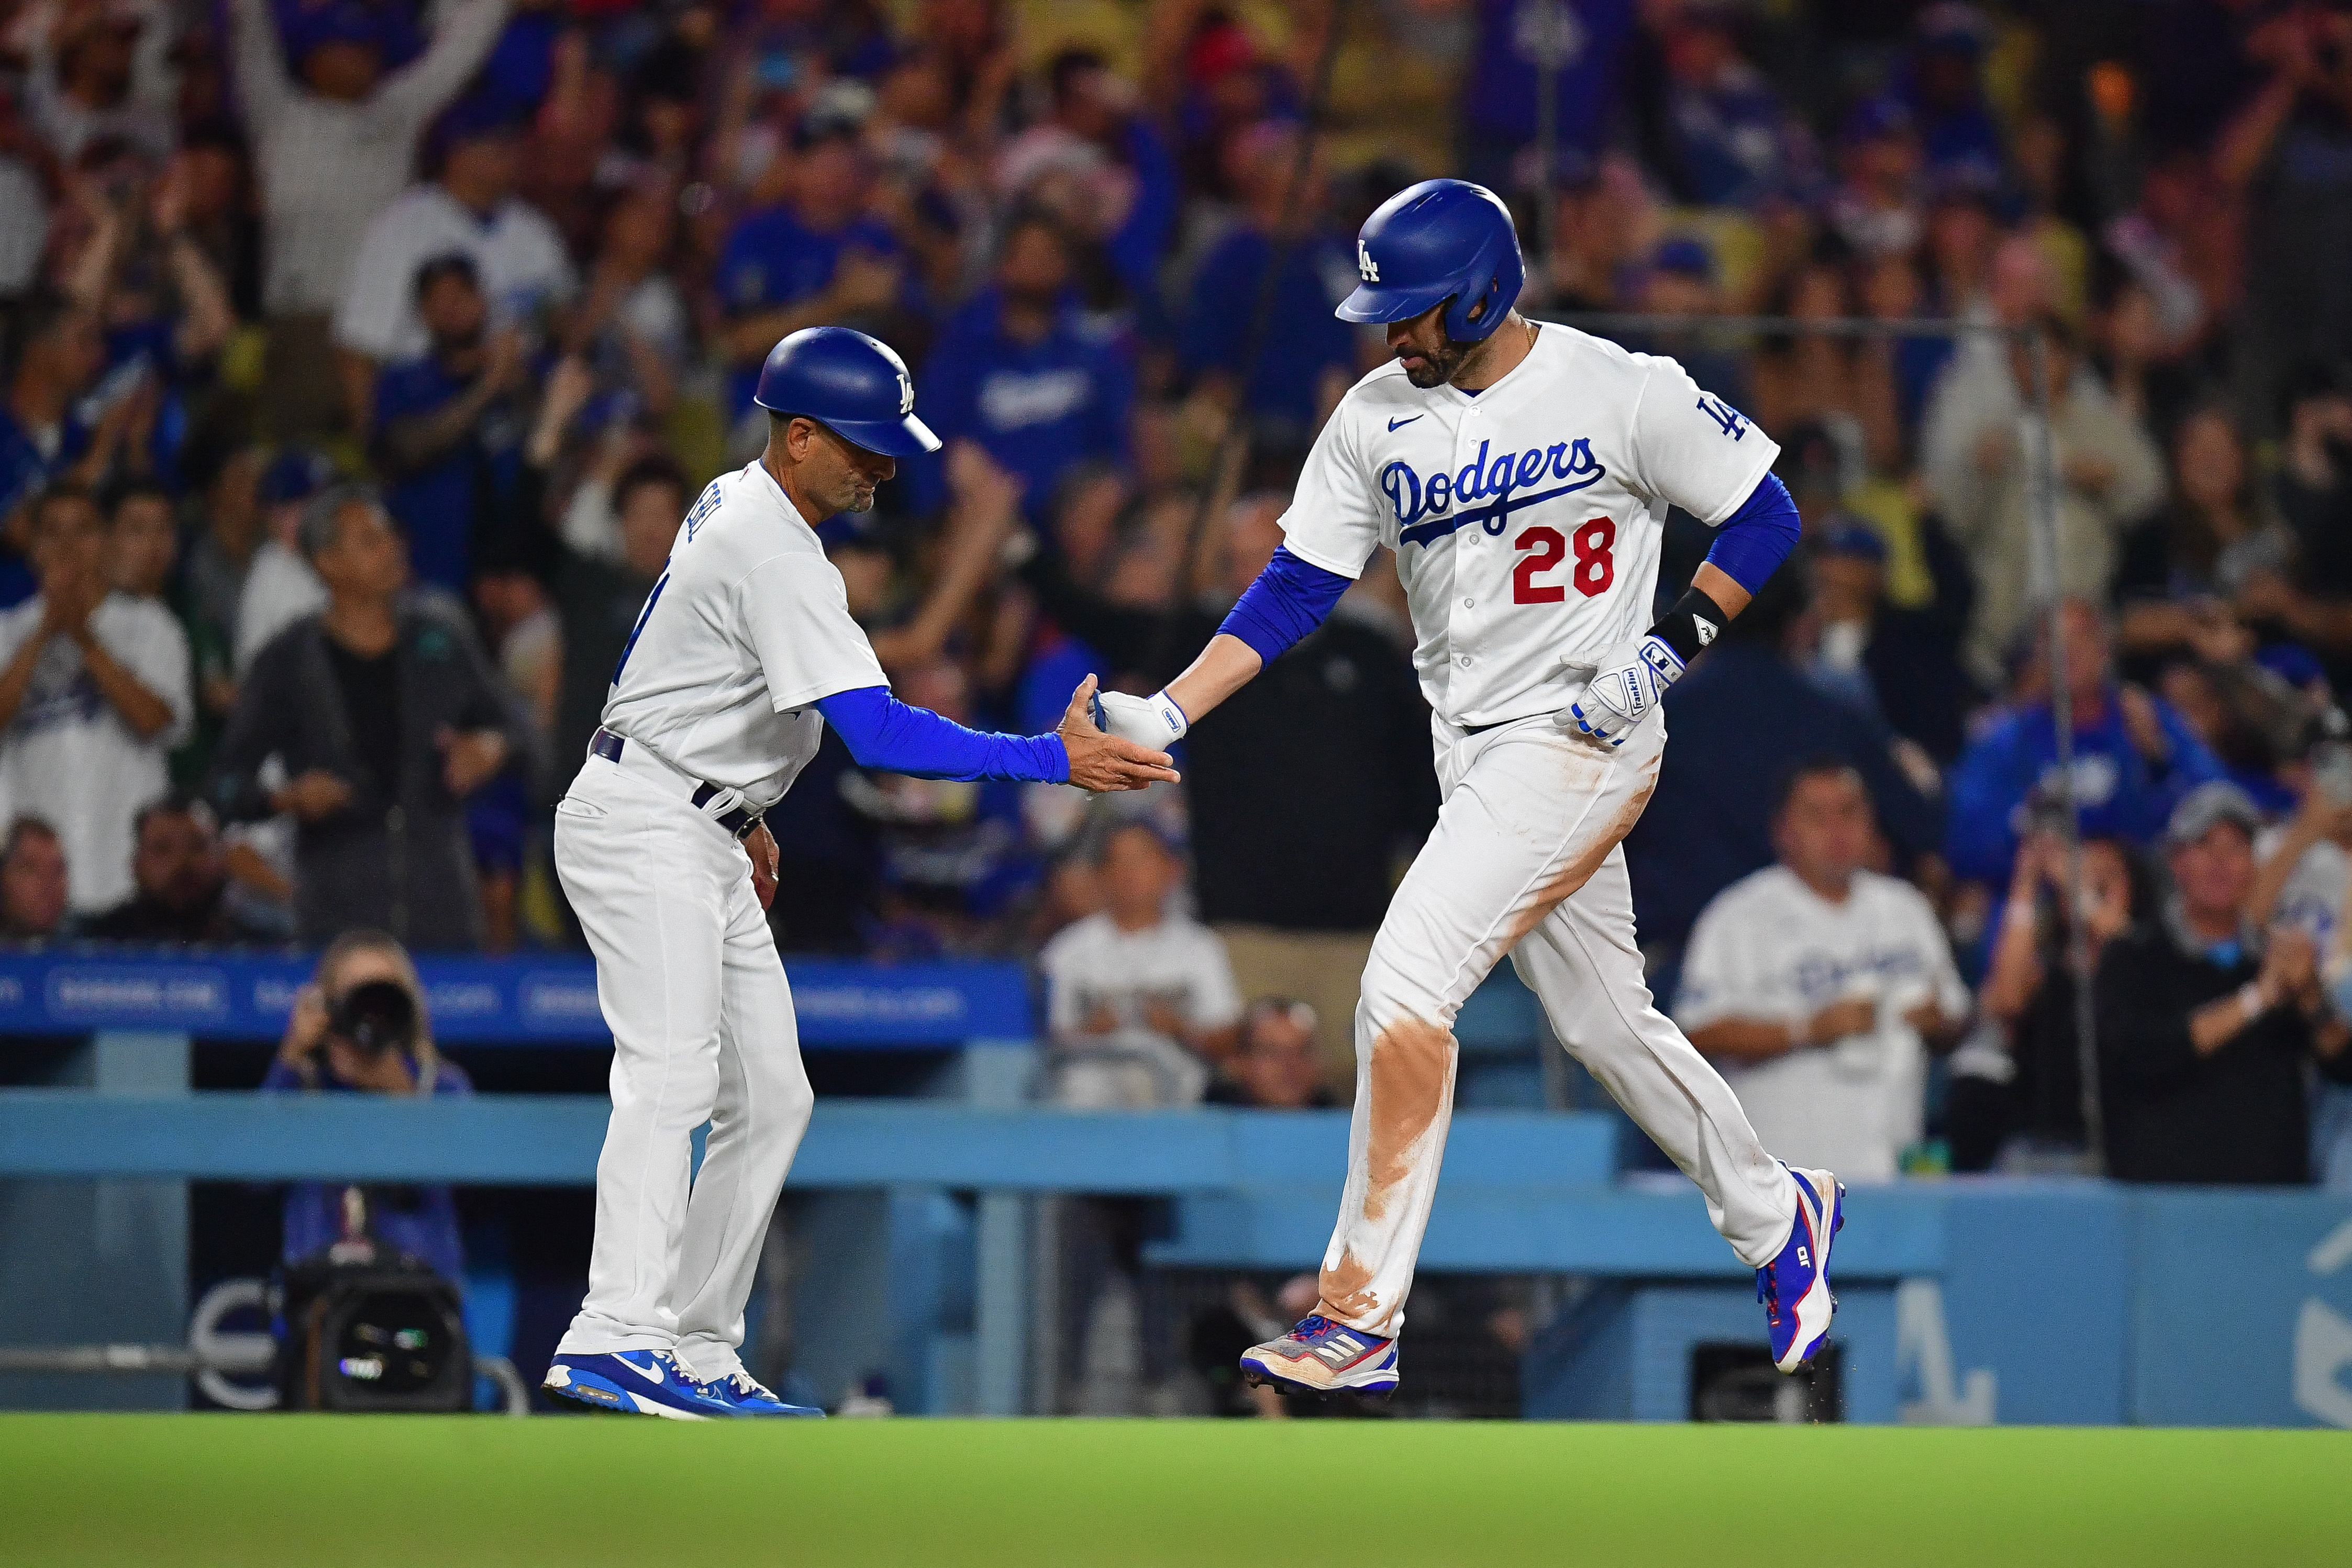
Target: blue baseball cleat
(638, 1382)
(1319, 1356)
(745, 1394)
(1795, 1286)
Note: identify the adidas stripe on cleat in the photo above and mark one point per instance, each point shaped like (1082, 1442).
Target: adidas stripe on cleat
(1319, 1356)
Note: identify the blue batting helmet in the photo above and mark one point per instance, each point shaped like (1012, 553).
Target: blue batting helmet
(1439, 240)
(851, 384)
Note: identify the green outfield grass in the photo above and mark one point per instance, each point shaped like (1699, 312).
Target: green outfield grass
(420, 1492)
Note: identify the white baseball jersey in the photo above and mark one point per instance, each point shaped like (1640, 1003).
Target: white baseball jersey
(1768, 947)
(745, 630)
(1526, 520)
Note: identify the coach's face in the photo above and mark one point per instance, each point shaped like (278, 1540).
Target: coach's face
(1430, 359)
(830, 474)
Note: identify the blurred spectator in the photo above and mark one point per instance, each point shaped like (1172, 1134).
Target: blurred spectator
(1728, 142)
(24, 212)
(1312, 786)
(1848, 385)
(2109, 476)
(1875, 208)
(182, 892)
(1958, 135)
(348, 1036)
(335, 136)
(2207, 1023)
(2289, 148)
(1277, 1066)
(43, 436)
(2017, 1084)
(1575, 52)
(597, 602)
(632, 323)
(1020, 372)
(221, 556)
(1898, 665)
(820, 258)
(2181, 574)
(470, 209)
(1680, 281)
(93, 696)
(32, 882)
(1707, 824)
(2135, 757)
(1307, 357)
(281, 588)
(1129, 201)
(385, 718)
(2312, 489)
(449, 425)
(1818, 983)
(1140, 1001)
(102, 71)
(143, 540)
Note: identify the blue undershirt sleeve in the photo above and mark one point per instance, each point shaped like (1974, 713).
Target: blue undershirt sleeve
(1754, 540)
(883, 732)
(1290, 599)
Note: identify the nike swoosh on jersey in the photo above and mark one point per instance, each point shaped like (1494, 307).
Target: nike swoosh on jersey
(1396, 424)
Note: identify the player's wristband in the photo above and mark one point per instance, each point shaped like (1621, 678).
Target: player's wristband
(2253, 999)
(1694, 623)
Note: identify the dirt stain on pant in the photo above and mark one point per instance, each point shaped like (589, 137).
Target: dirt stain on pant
(1410, 1078)
(1580, 866)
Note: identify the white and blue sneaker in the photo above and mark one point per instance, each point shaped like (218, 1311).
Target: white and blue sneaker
(1795, 1286)
(1319, 1356)
(638, 1382)
(744, 1395)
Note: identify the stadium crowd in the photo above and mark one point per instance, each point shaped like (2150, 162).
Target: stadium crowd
(363, 356)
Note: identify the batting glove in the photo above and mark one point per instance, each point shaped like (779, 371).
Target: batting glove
(1624, 690)
(1154, 721)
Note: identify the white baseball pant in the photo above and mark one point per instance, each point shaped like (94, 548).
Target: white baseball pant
(1525, 860)
(703, 1031)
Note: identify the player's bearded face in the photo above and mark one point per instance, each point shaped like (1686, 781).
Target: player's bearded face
(1431, 358)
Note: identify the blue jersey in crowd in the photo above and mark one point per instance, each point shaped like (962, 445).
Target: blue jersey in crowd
(2119, 793)
(1303, 339)
(1036, 408)
(771, 259)
(1498, 90)
(442, 506)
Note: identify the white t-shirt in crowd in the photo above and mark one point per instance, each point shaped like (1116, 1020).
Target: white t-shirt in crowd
(281, 589)
(68, 757)
(740, 637)
(1093, 968)
(1527, 520)
(517, 252)
(1770, 947)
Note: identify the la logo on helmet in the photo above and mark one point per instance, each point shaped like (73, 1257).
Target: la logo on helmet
(1366, 265)
(906, 393)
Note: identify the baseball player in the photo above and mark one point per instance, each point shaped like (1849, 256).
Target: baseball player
(745, 650)
(1521, 472)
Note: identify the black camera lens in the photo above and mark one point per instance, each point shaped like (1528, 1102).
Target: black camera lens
(375, 1016)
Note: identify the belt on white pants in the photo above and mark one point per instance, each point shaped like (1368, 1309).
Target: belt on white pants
(722, 805)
